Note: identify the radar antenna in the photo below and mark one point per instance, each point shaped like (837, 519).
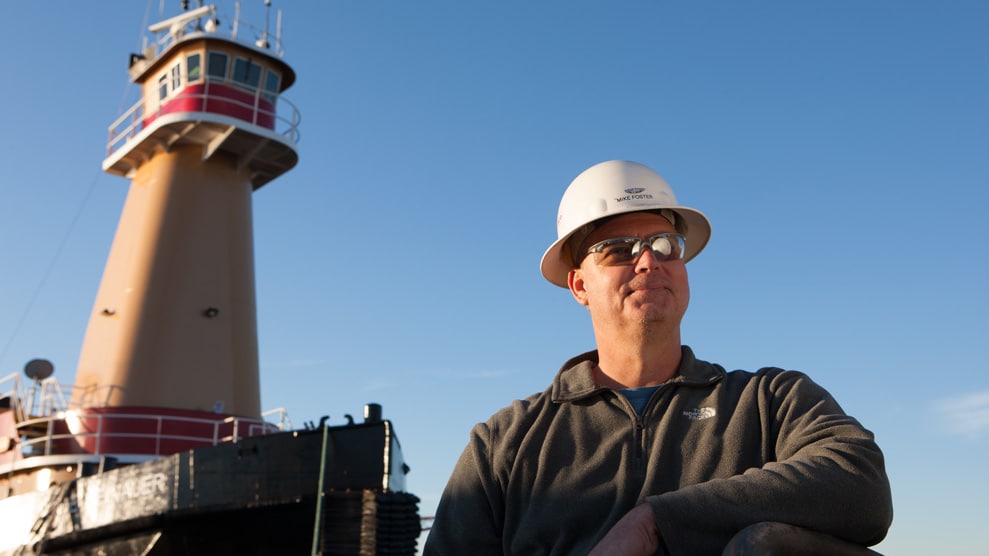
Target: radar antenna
(39, 369)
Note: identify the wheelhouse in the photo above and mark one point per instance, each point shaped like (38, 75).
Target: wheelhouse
(218, 78)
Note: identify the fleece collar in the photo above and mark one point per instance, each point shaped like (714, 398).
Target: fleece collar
(575, 380)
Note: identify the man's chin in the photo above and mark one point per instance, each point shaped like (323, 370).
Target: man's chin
(658, 311)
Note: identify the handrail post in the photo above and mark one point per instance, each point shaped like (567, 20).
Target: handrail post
(160, 430)
(48, 437)
(99, 433)
(319, 493)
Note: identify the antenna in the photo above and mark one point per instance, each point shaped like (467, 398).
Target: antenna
(39, 369)
(181, 19)
(263, 41)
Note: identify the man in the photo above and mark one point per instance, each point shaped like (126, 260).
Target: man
(638, 447)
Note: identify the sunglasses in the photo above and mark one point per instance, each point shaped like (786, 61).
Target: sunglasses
(618, 251)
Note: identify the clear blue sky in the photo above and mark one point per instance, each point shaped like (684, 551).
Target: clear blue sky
(841, 150)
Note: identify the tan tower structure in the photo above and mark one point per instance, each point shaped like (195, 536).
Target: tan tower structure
(162, 448)
(174, 322)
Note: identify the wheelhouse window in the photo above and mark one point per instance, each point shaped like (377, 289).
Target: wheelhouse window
(271, 81)
(176, 72)
(247, 74)
(192, 63)
(170, 81)
(216, 65)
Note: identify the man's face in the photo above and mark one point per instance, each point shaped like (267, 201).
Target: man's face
(649, 291)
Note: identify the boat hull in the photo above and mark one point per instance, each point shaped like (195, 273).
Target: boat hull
(256, 496)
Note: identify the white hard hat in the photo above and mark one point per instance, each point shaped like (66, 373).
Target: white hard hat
(608, 189)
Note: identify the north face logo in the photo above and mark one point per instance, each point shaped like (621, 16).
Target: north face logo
(700, 413)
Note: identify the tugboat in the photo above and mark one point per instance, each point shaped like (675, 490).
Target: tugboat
(160, 445)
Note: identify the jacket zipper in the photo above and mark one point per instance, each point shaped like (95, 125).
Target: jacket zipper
(640, 426)
(639, 437)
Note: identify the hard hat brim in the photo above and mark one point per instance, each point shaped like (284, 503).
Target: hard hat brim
(555, 268)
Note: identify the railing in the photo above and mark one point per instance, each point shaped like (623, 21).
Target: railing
(47, 426)
(133, 433)
(39, 398)
(10, 394)
(207, 20)
(250, 104)
(283, 422)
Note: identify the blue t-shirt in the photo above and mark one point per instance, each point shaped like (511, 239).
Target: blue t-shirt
(639, 396)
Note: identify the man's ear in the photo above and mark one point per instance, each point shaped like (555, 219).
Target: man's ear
(575, 279)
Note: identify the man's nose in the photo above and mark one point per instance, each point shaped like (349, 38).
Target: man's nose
(647, 260)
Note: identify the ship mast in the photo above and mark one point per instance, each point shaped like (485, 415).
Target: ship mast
(174, 321)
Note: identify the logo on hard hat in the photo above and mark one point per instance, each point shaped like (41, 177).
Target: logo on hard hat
(634, 194)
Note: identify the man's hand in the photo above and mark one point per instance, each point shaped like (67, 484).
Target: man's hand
(635, 534)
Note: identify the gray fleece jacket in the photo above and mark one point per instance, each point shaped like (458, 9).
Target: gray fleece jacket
(711, 453)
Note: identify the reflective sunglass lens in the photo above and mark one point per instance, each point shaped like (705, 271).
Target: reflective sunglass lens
(626, 250)
(618, 252)
(662, 247)
(668, 247)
